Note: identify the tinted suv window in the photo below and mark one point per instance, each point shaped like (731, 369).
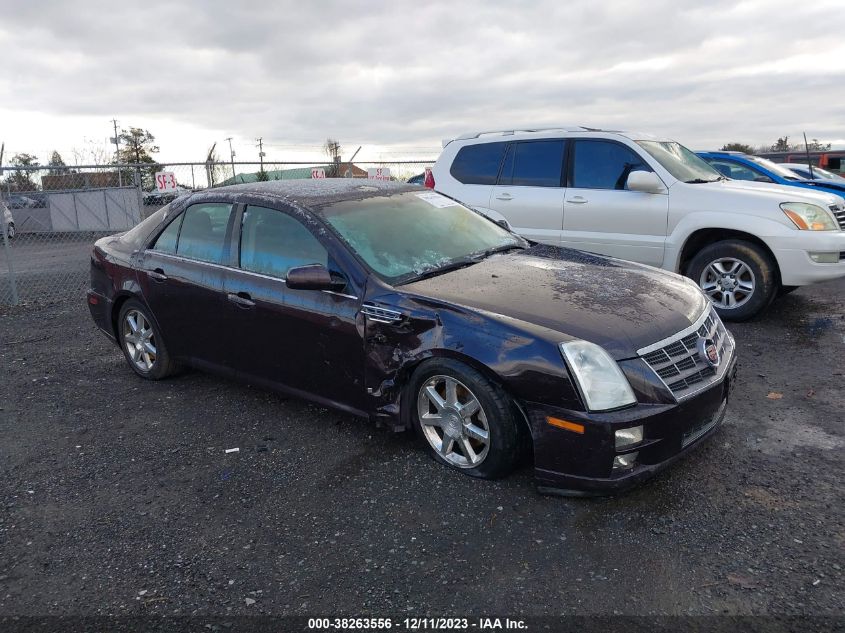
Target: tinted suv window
(478, 164)
(203, 234)
(604, 165)
(533, 164)
(273, 242)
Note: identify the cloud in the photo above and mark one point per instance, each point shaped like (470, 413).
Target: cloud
(416, 72)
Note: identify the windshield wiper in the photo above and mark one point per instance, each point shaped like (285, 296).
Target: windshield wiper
(498, 249)
(445, 268)
(699, 181)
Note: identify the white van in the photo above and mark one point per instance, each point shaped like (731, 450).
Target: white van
(650, 200)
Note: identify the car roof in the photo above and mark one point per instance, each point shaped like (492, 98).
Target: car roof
(524, 132)
(724, 152)
(316, 191)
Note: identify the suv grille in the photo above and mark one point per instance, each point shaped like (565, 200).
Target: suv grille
(839, 212)
(678, 363)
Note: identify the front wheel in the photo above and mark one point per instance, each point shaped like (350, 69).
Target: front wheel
(739, 278)
(468, 422)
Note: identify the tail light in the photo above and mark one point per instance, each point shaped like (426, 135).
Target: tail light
(429, 178)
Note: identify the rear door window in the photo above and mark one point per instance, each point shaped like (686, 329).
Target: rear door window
(166, 241)
(273, 242)
(602, 164)
(534, 164)
(478, 164)
(203, 233)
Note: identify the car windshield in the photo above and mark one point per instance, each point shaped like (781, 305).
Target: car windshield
(681, 162)
(818, 172)
(410, 235)
(773, 167)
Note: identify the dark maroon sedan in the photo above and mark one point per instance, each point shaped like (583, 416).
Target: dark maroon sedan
(400, 305)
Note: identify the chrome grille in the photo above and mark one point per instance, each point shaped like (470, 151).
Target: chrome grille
(839, 212)
(677, 362)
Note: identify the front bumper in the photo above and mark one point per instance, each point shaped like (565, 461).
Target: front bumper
(796, 267)
(573, 464)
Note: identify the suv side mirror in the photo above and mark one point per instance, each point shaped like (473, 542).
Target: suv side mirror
(645, 181)
(313, 277)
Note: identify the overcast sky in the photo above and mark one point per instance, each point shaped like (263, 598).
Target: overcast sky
(397, 77)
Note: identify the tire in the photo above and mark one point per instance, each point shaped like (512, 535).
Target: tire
(11, 231)
(747, 271)
(495, 416)
(151, 363)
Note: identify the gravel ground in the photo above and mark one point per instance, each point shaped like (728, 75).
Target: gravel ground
(116, 496)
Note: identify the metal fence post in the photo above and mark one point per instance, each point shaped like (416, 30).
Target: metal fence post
(13, 286)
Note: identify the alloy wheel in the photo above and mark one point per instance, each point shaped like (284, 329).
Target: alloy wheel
(453, 421)
(139, 340)
(728, 282)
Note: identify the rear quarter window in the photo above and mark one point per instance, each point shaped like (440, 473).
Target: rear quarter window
(478, 164)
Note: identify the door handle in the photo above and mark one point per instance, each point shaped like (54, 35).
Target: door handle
(242, 299)
(504, 196)
(577, 200)
(157, 275)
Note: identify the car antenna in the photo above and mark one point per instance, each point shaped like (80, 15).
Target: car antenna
(807, 150)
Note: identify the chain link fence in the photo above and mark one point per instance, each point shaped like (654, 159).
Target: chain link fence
(56, 214)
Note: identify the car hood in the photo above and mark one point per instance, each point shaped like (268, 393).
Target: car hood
(765, 191)
(619, 305)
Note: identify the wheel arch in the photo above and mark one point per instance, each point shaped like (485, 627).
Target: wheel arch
(701, 238)
(406, 372)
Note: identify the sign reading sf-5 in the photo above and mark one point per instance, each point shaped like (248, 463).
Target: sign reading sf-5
(400, 305)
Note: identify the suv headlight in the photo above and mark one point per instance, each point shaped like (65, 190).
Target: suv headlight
(602, 383)
(809, 217)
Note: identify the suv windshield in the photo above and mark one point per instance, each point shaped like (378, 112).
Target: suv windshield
(682, 163)
(773, 167)
(411, 235)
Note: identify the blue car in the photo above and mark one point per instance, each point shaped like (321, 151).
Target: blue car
(739, 166)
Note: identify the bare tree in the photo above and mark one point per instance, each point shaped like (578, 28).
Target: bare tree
(332, 150)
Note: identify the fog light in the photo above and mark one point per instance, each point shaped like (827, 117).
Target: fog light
(626, 461)
(629, 437)
(825, 258)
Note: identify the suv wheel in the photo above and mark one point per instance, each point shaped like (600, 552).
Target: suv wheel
(739, 277)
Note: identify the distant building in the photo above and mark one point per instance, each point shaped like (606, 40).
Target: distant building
(296, 173)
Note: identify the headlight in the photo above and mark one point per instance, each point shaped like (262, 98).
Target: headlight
(602, 383)
(809, 217)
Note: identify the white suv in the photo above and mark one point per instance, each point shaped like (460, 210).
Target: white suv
(650, 200)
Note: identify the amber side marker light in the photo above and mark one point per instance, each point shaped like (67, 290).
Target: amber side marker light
(565, 424)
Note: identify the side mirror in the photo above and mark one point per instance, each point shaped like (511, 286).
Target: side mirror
(313, 277)
(645, 181)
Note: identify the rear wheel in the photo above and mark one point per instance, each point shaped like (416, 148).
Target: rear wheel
(467, 422)
(738, 277)
(141, 342)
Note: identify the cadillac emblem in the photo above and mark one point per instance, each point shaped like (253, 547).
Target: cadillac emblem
(708, 351)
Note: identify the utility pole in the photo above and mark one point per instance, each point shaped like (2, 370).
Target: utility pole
(115, 140)
(232, 156)
(261, 151)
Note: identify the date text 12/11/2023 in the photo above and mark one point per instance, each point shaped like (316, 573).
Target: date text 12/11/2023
(416, 624)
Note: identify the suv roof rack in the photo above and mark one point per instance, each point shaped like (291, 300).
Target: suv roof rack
(556, 128)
